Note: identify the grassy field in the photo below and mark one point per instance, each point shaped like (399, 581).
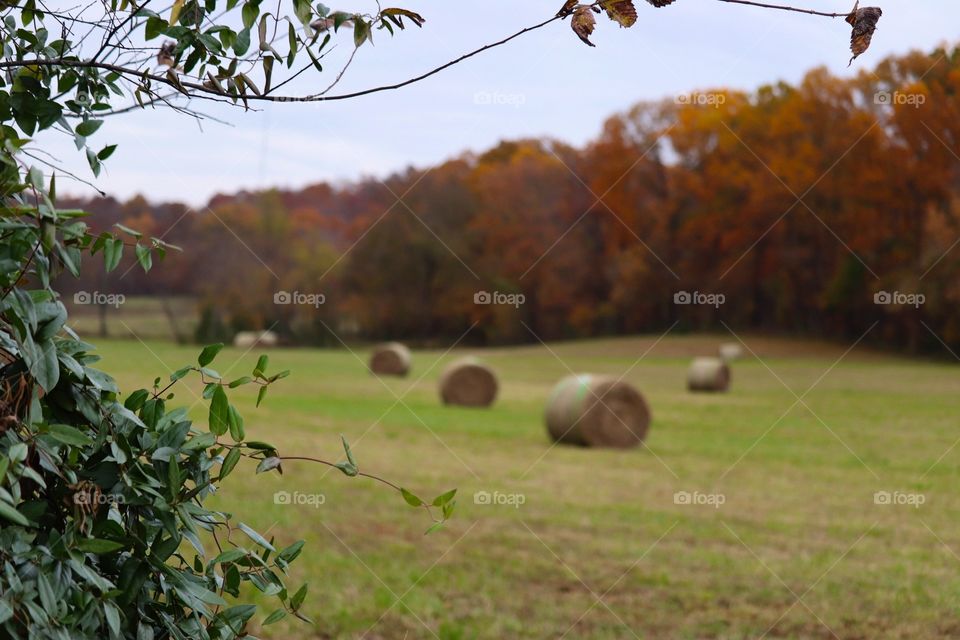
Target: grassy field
(141, 316)
(799, 548)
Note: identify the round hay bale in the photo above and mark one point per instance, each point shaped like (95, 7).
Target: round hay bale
(597, 411)
(390, 359)
(250, 339)
(468, 383)
(731, 351)
(708, 374)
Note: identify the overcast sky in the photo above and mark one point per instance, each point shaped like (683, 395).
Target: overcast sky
(546, 83)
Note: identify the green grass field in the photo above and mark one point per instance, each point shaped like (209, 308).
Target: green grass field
(600, 548)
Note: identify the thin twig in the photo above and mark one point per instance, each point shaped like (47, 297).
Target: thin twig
(782, 7)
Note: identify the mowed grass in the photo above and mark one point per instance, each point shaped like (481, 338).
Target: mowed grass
(600, 548)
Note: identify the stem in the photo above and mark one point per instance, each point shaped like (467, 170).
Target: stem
(393, 486)
(782, 7)
(331, 464)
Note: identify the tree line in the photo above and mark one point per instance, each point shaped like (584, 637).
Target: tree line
(817, 208)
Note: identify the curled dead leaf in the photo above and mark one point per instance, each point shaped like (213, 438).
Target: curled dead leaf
(323, 25)
(397, 16)
(864, 23)
(567, 8)
(583, 23)
(621, 11)
(165, 55)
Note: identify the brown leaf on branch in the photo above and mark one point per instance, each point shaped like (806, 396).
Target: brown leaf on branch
(165, 57)
(397, 16)
(583, 23)
(567, 8)
(621, 11)
(864, 23)
(660, 3)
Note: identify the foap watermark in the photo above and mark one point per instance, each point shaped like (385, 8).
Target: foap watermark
(700, 99)
(499, 499)
(299, 499)
(699, 499)
(899, 99)
(899, 499)
(496, 297)
(697, 298)
(299, 298)
(100, 299)
(899, 298)
(96, 498)
(500, 99)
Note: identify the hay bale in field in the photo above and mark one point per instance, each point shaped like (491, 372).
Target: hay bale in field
(250, 339)
(730, 351)
(708, 374)
(468, 383)
(390, 359)
(597, 411)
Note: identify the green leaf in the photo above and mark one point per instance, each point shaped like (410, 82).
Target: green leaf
(290, 553)
(41, 359)
(106, 152)
(136, 399)
(88, 127)
(346, 448)
(249, 13)
(261, 395)
(112, 613)
(361, 31)
(219, 412)
(448, 509)
(230, 462)
(276, 616)
(231, 555)
(128, 230)
(242, 44)
(180, 373)
(143, 256)
(298, 597)
(69, 435)
(112, 252)
(209, 353)
(6, 611)
(256, 537)
(434, 527)
(269, 464)
(348, 469)
(98, 545)
(260, 370)
(240, 381)
(444, 498)
(9, 512)
(155, 26)
(411, 499)
(173, 476)
(200, 441)
(236, 425)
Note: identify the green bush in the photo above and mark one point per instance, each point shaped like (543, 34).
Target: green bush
(103, 528)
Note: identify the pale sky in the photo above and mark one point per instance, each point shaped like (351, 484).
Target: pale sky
(546, 83)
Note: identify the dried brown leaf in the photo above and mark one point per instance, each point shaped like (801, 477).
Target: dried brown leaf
(399, 14)
(864, 23)
(567, 8)
(583, 23)
(621, 11)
